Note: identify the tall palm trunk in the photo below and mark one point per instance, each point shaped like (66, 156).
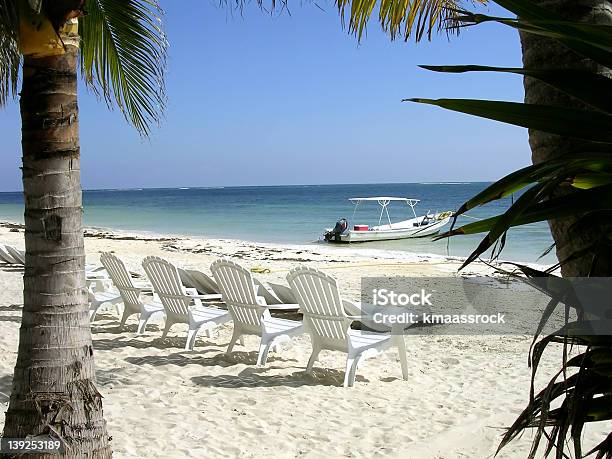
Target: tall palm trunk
(54, 382)
(539, 52)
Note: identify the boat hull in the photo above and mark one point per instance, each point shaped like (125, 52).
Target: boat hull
(401, 230)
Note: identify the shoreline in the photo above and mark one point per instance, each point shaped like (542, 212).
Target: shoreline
(201, 244)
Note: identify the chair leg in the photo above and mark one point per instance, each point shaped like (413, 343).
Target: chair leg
(191, 337)
(142, 322)
(166, 328)
(401, 349)
(241, 339)
(350, 359)
(262, 357)
(235, 337)
(126, 313)
(119, 312)
(313, 358)
(92, 312)
(353, 371)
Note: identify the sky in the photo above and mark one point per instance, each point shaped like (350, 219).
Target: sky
(260, 99)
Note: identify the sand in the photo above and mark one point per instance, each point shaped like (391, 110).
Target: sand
(163, 402)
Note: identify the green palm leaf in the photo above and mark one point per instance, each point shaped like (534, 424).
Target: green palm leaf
(10, 58)
(583, 124)
(123, 57)
(589, 87)
(402, 18)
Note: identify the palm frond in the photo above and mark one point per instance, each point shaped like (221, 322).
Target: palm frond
(10, 58)
(398, 18)
(123, 57)
(403, 18)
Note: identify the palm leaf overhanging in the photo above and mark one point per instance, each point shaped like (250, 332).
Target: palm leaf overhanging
(123, 56)
(9, 54)
(582, 389)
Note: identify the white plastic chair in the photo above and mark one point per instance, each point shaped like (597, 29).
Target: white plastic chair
(18, 255)
(330, 327)
(177, 300)
(130, 292)
(283, 293)
(99, 299)
(269, 296)
(203, 282)
(6, 257)
(249, 311)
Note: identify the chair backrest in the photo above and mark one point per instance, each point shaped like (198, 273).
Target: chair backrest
(186, 279)
(121, 278)
(167, 284)
(238, 292)
(284, 293)
(6, 257)
(265, 293)
(203, 282)
(16, 254)
(319, 300)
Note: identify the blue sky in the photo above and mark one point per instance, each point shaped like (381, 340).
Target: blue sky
(294, 99)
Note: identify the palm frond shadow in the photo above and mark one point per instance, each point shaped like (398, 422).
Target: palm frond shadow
(221, 359)
(257, 377)
(16, 319)
(12, 268)
(137, 342)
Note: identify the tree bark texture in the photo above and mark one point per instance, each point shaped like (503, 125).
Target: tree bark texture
(544, 53)
(54, 381)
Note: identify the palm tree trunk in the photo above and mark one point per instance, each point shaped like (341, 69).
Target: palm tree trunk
(539, 52)
(54, 381)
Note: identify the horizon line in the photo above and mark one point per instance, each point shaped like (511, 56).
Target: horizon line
(213, 187)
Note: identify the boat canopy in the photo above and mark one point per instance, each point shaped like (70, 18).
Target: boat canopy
(383, 202)
(385, 198)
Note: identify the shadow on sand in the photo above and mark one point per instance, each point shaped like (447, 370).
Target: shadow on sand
(137, 342)
(257, 377)
(221, 359)
(16, 319)
(12, 268)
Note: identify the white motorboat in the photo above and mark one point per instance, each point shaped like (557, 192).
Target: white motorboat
(419, 226)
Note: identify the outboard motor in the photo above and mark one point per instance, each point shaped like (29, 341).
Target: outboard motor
(341, 226)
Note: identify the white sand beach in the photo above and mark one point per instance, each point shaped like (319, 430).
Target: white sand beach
(163, 402)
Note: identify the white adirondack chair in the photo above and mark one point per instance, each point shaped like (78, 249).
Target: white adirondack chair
(330, 327)
(249, 311)
(283, 293)
(193, 279)
(99, 299)
(6, 257)
(269, 296)
(133, 302)
(177, 300)
(203, 282)
(17, 255)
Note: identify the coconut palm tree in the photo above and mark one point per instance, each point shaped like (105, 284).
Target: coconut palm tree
(121, 50)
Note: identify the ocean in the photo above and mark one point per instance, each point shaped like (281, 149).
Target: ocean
(292, 214)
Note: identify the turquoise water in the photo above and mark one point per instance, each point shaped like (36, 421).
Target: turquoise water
(290, 214)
